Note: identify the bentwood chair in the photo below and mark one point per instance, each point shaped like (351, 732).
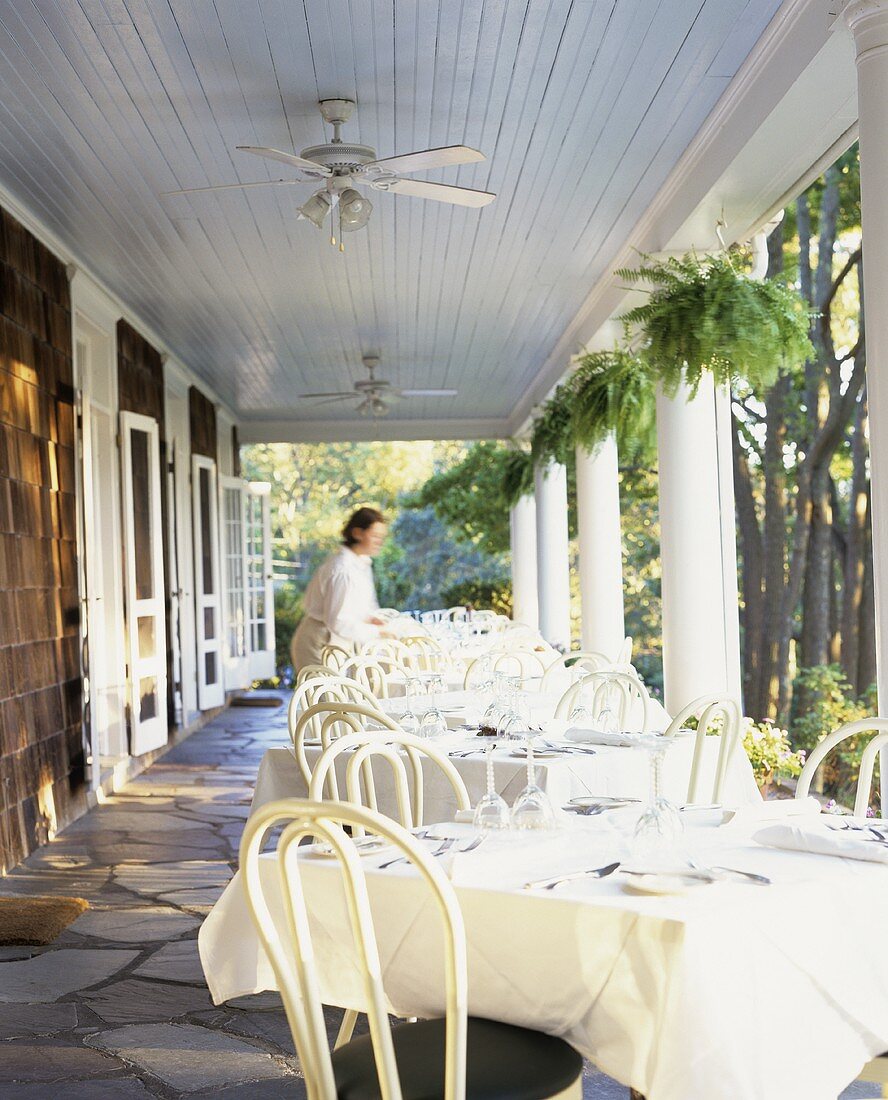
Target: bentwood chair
(562, 668)
(333, 720)
(623, 694)
(524, 663)
(716, 716)
(399, 752)
(863, 797)
(328, 688)
(455, 1057)
(311, 672)
(334, 656)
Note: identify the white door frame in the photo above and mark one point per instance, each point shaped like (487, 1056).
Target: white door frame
(152, 731)
(236, 657)
(210, 689)
(260, 579)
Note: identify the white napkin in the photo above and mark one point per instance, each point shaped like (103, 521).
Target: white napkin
(598, 737)
(771, 810)
(819, 837)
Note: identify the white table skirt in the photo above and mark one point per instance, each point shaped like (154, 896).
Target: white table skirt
(623, 772)
(729, 992)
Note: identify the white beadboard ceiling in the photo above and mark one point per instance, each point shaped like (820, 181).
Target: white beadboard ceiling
(582, 107)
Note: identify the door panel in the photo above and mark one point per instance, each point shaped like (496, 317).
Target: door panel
(144, 582)
(210, 685)
(236, 656)
(260, 582)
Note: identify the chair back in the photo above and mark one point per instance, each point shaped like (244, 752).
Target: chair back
(425, 655)
(328, 688)
(288, 940)
(876, 726)
(400, 751)
(624, 657)
(325, 722)
(524, 663)
(334, 656)
(715, 715)
(371, 673)
(310, 672)
(586, 661)
(620, 692)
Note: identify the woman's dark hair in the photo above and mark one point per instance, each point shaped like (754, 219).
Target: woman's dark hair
(362, 519)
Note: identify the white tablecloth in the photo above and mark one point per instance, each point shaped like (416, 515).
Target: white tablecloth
(611, 771)
(728, 992)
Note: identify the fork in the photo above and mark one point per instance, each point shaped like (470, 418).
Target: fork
(447, 843)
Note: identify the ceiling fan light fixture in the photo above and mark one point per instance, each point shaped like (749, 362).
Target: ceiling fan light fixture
(354, 210)
(317, 208)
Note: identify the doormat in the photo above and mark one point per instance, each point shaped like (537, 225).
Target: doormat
(257, 699)
(35, 922)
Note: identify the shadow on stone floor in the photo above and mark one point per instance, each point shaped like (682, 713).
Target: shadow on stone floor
(116, 1008)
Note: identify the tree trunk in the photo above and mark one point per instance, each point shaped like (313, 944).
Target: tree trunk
(866, 631)
(752, 607)
(855, 546)
(774, 547)
(818, 576)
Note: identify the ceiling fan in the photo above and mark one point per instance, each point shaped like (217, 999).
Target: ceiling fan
(374, 394)
(344, 165)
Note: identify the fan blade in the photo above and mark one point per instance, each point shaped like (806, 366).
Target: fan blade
(428, 393)
(230, 186)
(430, 158)
(441, 192)
(337, 393)
(335, 400)
(287, 158)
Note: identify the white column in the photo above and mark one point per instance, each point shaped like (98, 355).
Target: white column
(600, 546)
(701, 630)
(869, 24)
(523, 544)
(553, 555)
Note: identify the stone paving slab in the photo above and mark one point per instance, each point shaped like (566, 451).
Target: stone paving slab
(115, 1088)
(189, 1058)
(132, 1001)
(51, 975)
(31, 1020)
(51, 1062)
(176, 962)
(134, 925)
(155, 878)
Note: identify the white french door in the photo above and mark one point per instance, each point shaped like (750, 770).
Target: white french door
(260, 582)
(236, 654)
(208, 606)
(144, 582)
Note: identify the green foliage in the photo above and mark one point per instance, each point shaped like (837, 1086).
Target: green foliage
(705, 315)
(552, 438)
(827, 702)
(474, 496)
(613, 391)
(770, 752)
(471, 592)
(287, 616)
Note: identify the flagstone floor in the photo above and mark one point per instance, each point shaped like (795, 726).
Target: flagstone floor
(117, 1008)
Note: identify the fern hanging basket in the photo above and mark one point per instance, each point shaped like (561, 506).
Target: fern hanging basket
(613, 391)
(704, 315)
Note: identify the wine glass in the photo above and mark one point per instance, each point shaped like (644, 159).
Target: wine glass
(533, 809)
(433, 723)
(660, 825)
(492, 811)
(408, 721)
(514, 721)
(495, 708)
(581, 714)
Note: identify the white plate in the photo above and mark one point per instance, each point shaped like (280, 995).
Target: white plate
(603, 800)
(664, 885)
(311, 741)
(454, 708)
(366, 846)
(539, 754)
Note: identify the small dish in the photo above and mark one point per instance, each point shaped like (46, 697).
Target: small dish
(538, 754)
(602, 800)
(365, 845)
(662, 884)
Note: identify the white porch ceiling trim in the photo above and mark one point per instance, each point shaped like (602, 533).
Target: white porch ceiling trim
(794, 38)
(361, 431)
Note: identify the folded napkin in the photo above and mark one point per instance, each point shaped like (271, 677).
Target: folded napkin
(772, 810)
(598, 737)
(819, 837)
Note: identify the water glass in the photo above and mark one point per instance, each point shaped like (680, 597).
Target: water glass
(660, 826)
(433, 723)
(533, 808)
(492, 811)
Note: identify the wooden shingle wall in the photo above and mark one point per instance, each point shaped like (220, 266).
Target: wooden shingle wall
(41, 752)
(202, 412)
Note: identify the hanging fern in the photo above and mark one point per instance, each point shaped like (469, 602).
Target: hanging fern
(517, 477)
(704, 315)
(613, 391)
(552, 438)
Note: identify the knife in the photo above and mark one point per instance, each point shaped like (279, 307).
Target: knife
(551, 883)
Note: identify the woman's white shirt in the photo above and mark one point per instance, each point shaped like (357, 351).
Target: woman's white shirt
(342, 595)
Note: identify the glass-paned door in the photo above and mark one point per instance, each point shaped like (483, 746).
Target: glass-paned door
(144, 582)
(207, 587)
(260, 582)
(236, 655)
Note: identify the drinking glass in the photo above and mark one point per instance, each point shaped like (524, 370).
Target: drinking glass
(492, 714)
(581, 713)
(409, 721)
(660, 826)
(433, 723)
(533, 809)
(514, 721)
(492, 811)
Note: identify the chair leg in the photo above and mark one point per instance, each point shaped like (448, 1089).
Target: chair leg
(572, 1092)
(634, 1094)
(349, 1019)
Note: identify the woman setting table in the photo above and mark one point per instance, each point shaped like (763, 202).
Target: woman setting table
(340, 603)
